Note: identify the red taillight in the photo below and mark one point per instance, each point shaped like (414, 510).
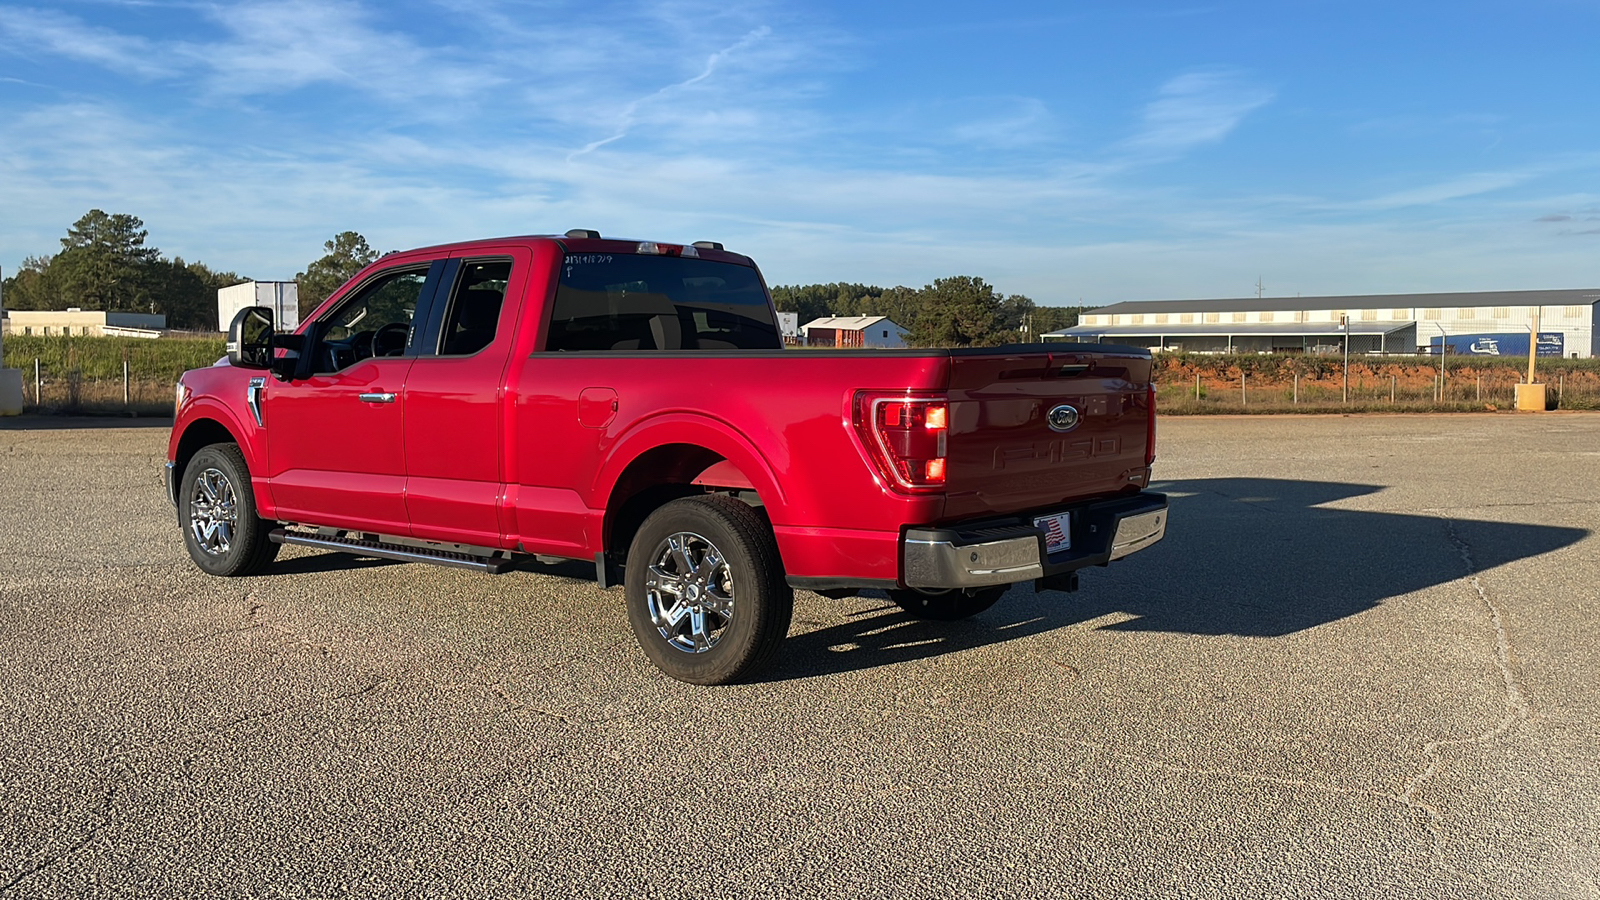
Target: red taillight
(1150, 433)
(906, 436)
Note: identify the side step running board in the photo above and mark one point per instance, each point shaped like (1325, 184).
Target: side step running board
(492, 565)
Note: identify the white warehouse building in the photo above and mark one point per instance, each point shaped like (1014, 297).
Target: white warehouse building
(1488, 323)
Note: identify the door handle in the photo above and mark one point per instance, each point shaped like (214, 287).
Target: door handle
(377, 398)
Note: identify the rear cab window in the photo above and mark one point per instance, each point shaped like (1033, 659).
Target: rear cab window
(474, 310)
(620, 301)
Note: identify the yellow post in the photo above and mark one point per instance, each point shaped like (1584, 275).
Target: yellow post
(1530, 396)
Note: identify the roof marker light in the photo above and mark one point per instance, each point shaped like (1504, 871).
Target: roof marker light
(651, 248)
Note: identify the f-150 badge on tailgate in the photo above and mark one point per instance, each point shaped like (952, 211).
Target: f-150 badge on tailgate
(1062, 418)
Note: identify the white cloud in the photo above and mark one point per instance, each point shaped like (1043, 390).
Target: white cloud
(64, 35)
(1454, 189)
(736, 148)
(1196, 108)
(628, 117)
(282, 45)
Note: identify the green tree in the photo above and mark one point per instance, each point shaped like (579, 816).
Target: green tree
(31, 286)
(187, 292)
(814, 301)
(960, 311)
(103, 262)
(347, 254)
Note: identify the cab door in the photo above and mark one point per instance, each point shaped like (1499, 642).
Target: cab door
(336, 439)
(454, 422)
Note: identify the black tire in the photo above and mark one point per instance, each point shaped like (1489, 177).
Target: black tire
(742, 603)
(217, 511)
(947, 606)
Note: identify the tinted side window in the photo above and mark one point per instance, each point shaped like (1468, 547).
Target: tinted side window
(375, 322)
(474, 312)
(626, 302)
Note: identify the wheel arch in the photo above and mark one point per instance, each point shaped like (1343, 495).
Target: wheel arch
(202, 432)
(657, 474)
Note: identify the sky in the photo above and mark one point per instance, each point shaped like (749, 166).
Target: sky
(1072, 152)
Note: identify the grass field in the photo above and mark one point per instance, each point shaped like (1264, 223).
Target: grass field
(85, 374)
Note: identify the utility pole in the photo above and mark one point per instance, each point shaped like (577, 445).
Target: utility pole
(1260, 288)
(1344, 322)
(1438, 394)
(1533, 342)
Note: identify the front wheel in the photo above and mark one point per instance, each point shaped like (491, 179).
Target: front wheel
(705, 590)
(217, 509)
(946, 606)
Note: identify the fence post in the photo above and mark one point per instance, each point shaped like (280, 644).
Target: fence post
(1244, 399)
(1391, 389)
(1561, 387)
(38, 395)
(1197, 388)
(1480, 387)
(126, 400)
(1297, 389)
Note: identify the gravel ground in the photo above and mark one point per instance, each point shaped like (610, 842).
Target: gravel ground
(1363, 663)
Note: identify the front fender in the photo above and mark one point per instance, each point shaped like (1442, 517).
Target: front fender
(241, 428)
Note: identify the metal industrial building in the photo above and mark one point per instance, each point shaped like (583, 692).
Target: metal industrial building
(1478, 323)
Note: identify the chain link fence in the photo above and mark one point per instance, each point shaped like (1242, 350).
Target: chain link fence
(103, 375)
(127, 376)
(1298, 384)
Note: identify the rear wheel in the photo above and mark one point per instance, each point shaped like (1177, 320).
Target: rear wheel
(946, 605)
(217, 509)
(705, 590)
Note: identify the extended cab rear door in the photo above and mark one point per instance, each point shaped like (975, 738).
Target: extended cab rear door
(454, 423)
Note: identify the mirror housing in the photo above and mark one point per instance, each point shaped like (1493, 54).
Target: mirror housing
(250, 338)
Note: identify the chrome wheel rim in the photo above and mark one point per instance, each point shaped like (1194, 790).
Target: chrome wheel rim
(689, 592)
(213, 512)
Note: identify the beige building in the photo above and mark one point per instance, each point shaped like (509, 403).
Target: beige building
(90, 323)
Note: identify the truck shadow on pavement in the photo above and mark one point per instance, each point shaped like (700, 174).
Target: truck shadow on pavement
(1252, 557)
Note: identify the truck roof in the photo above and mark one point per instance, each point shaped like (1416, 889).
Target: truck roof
(585, 243)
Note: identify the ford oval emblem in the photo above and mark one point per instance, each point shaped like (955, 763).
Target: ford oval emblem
(1062, 418)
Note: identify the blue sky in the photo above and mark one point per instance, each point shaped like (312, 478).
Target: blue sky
(1102, 151)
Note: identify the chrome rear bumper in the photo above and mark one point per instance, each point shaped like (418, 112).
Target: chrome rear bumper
(1002, 553)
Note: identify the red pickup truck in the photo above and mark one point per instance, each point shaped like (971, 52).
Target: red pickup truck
(631, 403)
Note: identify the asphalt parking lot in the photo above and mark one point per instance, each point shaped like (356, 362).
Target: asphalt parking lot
(1363, 663)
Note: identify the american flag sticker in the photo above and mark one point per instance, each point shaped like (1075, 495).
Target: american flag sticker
(1057, 531)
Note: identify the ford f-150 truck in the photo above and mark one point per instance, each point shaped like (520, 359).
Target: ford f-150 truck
(631, 403)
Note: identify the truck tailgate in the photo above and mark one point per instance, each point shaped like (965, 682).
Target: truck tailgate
(1004, 454)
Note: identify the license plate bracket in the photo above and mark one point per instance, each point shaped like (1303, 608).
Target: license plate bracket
(1057, 529)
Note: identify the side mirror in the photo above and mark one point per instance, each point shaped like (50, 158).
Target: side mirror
(250, 338)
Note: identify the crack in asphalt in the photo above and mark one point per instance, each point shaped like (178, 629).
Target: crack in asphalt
(1213, 772)
(247, 718)
(253, 622)
(102, 812)
(1517, 707)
